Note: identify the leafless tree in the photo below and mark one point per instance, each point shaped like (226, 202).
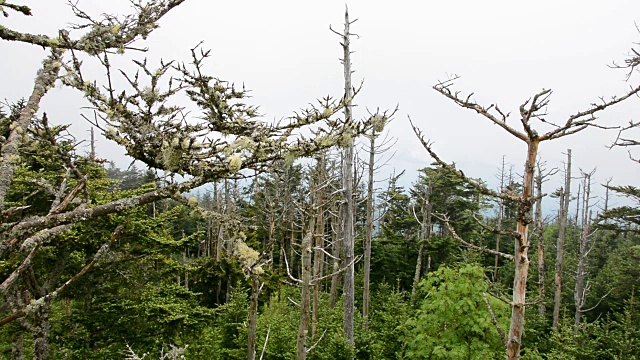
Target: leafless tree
(348, 208)
(540, 178)
(563, 214)
(530, 111)
(582, 286)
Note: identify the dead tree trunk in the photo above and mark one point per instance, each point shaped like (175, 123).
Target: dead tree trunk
(563, 213)
(521, 257)
(425, 232)
(9, 151)
(303, 328)
(318, 257)
(539, 231)
(17, 346)
(347, 191)
(530, 110)
(336, 235)
(253, 317)
(366, 292)
(580, 294)
(499, 224)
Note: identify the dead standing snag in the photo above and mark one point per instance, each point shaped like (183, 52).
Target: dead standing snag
(531, 110)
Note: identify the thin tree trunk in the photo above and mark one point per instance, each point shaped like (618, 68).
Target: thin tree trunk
(521, 258)
(562, 232)
(45, 80)
(303, 328)
(499, 225)
(318, 257)
(347, 199)
(17, 346)
(425, 232)
(366, 292)
(41, 329)
(253, 318)
(540, 236)
(577, 205)
(606, 198)
(580, 295)
(336, 279)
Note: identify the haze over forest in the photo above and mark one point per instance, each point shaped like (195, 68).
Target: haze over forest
(279, 180)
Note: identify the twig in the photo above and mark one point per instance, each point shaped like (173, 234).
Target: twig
(445, 219)
(266, 340)
(317, 342)
(503, 338)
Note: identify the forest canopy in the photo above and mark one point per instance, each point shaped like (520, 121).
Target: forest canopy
(233, 236)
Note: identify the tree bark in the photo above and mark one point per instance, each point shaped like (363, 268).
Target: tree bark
(303, 328)
(45, 80)
(521, 257)
(499, 225)
(336, 279)
(540, 236)
(318, 257)
(253, 318)
(17, 346)
(580, 295)
(366, 292)
(562, 233)
(41, 329)
(425, 232)
(347, 200)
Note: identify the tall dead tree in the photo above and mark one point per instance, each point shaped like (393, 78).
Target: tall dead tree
(366, 293)
(425, 233)
(582, 287)
(530, 110)
(499, 220)
(563, 214)
(378, 121)
(305, 301)
(253, 316)
(348, 215)
(540, 177)
(318, 246)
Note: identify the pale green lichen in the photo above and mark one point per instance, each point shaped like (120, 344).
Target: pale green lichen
(149, 95)
(247, 256)
(115, 29)
(345, 140)
(246, 143)
(111, 132)
(193, 201)
(327, 113)
(378, 122)
(290, 158)
(235, 163)
(53, 42)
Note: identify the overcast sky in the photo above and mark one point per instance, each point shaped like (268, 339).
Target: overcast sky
(505, 52)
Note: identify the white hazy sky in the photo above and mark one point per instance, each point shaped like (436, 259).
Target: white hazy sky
(283, 51)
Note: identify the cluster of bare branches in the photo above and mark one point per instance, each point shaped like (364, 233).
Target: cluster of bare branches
(531, 111)
(221, 139)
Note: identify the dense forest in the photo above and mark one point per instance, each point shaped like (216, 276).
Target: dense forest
(231, 236)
